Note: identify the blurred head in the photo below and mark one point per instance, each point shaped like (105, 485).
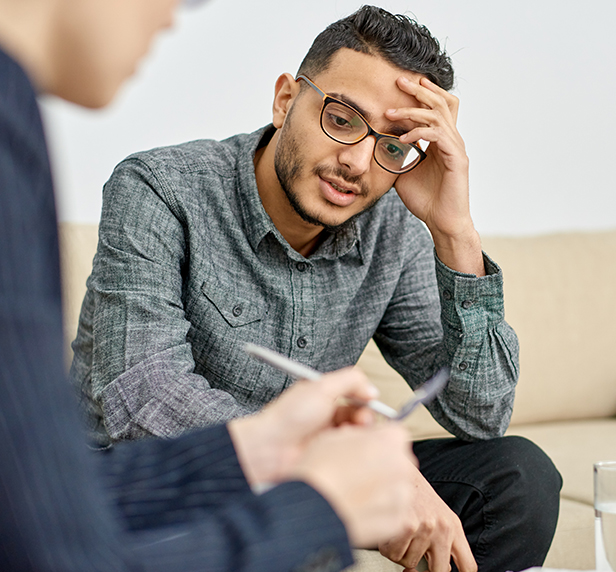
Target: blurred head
(82, 50)
(95, 45)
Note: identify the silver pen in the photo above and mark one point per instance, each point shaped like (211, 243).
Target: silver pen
(424, 394)
(298, 371)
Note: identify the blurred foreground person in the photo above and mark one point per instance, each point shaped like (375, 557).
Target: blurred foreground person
(184, 504)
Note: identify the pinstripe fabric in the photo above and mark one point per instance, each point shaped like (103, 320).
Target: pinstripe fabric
(176, 505)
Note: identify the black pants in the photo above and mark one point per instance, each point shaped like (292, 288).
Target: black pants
(506, 493)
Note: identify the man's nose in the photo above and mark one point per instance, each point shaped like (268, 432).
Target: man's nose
(358, 157)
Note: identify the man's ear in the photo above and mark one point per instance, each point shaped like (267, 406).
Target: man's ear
(285, 93)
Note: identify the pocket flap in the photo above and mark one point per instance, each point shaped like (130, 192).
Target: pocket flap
(238, 308)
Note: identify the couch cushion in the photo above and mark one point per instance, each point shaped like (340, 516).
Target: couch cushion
(77, 249)
(573, 547)
(574, 446)
(559, 297)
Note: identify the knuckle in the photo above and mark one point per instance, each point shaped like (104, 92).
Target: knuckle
(411, 526)
(429, 526)
(410, 561)
(394, 552)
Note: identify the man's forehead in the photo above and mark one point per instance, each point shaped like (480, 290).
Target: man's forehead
(367, 83)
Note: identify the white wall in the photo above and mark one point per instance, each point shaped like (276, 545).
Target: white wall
(536, 79)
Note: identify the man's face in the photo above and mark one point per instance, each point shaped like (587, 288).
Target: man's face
(96, 45)
(326, 182)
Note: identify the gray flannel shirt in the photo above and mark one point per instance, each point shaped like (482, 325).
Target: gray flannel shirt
(190, 267)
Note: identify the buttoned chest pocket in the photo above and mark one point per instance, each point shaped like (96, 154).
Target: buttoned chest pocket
(237, 308)
(230, 312)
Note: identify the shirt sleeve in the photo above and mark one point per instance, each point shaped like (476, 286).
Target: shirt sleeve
(439, 317)
(133, 327)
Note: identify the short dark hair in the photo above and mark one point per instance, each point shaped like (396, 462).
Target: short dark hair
(395, 37)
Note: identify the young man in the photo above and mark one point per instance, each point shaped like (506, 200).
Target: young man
(307, 237)
(181, 504)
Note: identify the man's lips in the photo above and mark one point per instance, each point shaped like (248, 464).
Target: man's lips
(337, 193)
(342, 186)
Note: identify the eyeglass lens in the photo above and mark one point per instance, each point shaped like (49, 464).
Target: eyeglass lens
(343, 124)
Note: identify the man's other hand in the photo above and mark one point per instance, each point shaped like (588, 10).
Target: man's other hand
(432, 530)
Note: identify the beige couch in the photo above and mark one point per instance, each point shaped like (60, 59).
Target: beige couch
(561, 299)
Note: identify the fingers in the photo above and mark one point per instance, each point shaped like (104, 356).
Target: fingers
(463, 557)
(438, 110)
(350, 383)
(432, 530)
(431, 95)
(439, 559)
(406, 551)
(309, 406)
(431, 125)
(365, 473)
(434, 121)
(354, 415)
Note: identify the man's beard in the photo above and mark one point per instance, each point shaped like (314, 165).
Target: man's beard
(289, 167)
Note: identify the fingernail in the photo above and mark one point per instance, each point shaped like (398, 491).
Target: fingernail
(373, 391)
(392, 110)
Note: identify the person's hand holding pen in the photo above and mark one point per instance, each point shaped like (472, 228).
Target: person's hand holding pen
(276, 437)
(363, 470)
(366, 472)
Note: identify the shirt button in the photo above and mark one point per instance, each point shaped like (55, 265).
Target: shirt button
(462, 366)
(302, 342)
(301, 266)
(447, 295)
(467, 304)
(237, 311)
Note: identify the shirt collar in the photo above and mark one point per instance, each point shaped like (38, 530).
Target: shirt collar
(258, 224)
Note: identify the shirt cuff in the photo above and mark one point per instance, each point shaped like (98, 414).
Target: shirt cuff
(470, 303)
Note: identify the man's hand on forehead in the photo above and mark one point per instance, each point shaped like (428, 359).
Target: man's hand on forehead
(437, 191)
(429, 97)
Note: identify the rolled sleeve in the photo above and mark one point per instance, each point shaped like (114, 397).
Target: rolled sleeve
(483, 350)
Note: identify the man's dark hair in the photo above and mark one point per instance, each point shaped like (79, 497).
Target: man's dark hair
(397, 38)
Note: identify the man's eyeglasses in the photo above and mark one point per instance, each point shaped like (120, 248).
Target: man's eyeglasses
(346, 125)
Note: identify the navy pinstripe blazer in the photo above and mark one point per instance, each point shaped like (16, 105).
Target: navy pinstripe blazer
(153, 505)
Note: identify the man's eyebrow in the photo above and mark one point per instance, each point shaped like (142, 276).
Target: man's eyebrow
(367, 115)
(393, 129)
(396, 130)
